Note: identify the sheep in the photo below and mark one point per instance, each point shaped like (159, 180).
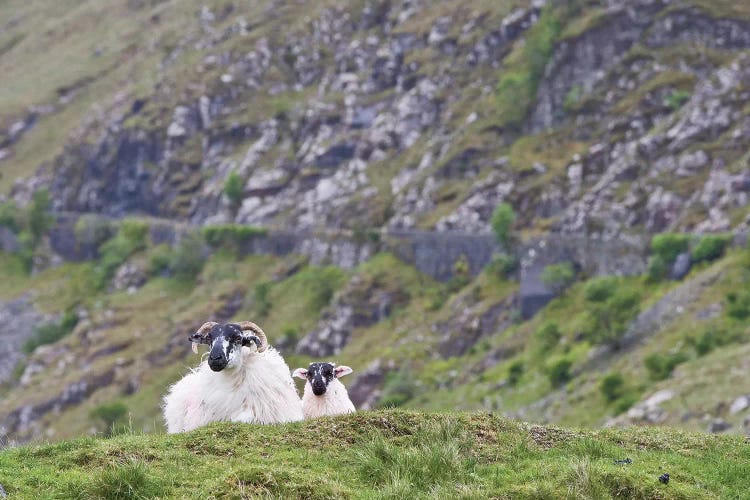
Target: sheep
(324, 394)
(243, 380)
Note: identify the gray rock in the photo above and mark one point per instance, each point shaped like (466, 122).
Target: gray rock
(129, 277)
(739, 404)
(718, 425)
(8, 240)
(3, 494)
(680, 267)
(18, 319)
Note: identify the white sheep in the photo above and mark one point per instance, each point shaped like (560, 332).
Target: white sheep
(243, 380)
(324, 394)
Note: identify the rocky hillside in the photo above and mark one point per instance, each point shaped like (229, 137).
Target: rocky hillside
(330, 169)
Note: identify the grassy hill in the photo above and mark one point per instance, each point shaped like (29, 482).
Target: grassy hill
(385, 454)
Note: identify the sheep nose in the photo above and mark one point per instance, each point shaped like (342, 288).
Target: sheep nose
(318, 389)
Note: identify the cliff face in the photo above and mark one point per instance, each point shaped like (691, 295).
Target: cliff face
(395, 114)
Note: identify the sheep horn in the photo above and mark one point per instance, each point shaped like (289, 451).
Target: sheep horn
(201, 332)
(257, 331)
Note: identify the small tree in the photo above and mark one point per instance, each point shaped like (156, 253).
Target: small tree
(548, 335)
(612, 386)
(234, 189)
(39, 218)
(502, 221)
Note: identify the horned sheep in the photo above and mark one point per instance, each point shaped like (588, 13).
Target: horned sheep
(324, 393)
(243, 380)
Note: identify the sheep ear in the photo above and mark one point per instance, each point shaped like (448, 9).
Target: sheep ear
(300, 373)
(340, 371)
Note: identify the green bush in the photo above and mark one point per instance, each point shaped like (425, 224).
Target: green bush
(234, 189)
(130, 238)
(517, 88)
(548, 335)
(159, 260)
(712, 338)
(39, 219)
(49, 333)
(232, 236)
(112, 415)
(558, 372)
(738, 305)
(710, 247)
(262, 299)
(669, 245)
(660, 366)
(502, 222)
(188, 258)
(399, 388)
(657, 268)
(92, 230)
(10, 216)
(676, 99)
(624, 403)
(600, 289)
(608, 321)
(612, 386)
(515, 372)
(502, 266)
(557, 277)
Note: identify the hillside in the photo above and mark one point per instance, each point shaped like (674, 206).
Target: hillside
(536, 209)
(384, 455)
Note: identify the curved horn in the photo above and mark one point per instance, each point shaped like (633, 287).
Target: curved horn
(200, 335)
(249, 326)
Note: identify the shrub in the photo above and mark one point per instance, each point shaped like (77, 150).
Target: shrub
(548, 335)
(557, 277)
(234, 189)
(669, 245)
(159, 260)
(624, 403)
(39, 219)
(112, 415)
(608, 321)
(188, 258)
(612, 386)
(262, 299)
(657, 268)
(600, 289)
(676, 99)
(502, 266)
(558, 371)
(710, 247)
(399, 388)
(660, 366)
(10, 216)
(738, 305)
(130, 238)
(515, 372)
(232, 236)
(502, 222)
(572, 98)
(92, 230)
(49, 333)
(517, 88)
(711, 339)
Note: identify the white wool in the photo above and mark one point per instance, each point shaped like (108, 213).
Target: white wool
(335, 401)
(259, 390)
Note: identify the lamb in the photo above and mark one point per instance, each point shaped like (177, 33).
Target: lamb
(324, 394)
(243, 380)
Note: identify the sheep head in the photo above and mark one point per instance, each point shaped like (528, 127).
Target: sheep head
(227, 340)
(319, 375)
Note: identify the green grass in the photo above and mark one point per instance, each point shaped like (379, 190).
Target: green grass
(384, 454)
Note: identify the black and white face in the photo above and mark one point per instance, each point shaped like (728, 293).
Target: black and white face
(319, 375)
(226, 341)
